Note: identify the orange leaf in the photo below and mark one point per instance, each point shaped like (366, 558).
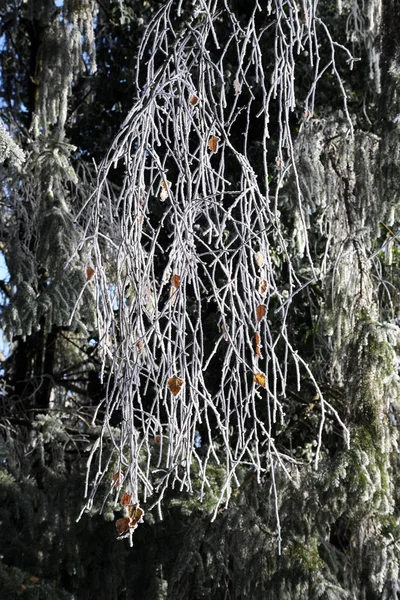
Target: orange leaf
(139, 346)
(22, 587)
(257, 342)
(175, 281)
(126, 499)
(34, 579)
(89, 273)
(117, 479)
(122, 525)
(193, 100)
(213, 143)
(157, 439)
(260, 379)
(135, 514)
(175, 385)
(260, 312)
(262, 288)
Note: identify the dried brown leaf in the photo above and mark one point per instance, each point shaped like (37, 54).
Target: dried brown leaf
(193, 100)
(165, 186)
(122, 525)
(260, 379)
(260, 312)
(257, 341)
(135, 514)
(262, 288)
(126, 499)
(117, 479)
(175, 281)
(175, 385)
(213, 143)
(89, 273)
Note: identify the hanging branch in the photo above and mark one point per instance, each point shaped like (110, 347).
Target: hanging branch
(185, 229)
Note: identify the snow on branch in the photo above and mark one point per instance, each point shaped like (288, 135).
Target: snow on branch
(188, 245)
(9, 149)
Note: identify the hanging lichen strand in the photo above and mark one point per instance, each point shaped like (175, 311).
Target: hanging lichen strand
(44, 292)
(349, 187)
(66, 51)
(190, 248)
(363, 27)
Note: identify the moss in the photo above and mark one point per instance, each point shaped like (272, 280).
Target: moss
(306, 555)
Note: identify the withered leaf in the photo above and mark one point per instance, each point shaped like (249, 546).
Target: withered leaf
(175, 281)
(262, 288)
(126, 499)
(193, 100)
(175, 385)
(237, 87)
(89, 273)
(129, 523)
(135, 513)
(257, 343)
(165, 186)
(213, 143)
(117, 479)
(260, 312)
(122, 525)
(260, 259)
(260, 379)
